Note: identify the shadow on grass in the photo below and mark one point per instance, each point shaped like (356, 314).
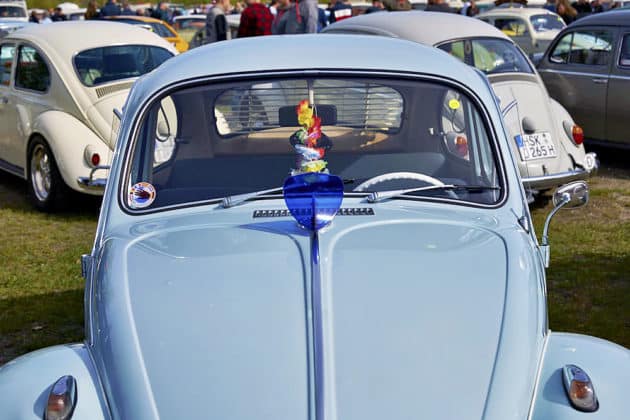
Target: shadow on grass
(14, 196)
(36, 321)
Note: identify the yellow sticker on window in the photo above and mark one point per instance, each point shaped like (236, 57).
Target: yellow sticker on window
(453, 104)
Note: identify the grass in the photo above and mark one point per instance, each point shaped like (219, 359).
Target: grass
(41, 289)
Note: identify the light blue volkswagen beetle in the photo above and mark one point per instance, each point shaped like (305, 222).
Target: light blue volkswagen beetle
(317, 227)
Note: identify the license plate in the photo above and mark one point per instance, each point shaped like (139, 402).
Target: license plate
(535, 146)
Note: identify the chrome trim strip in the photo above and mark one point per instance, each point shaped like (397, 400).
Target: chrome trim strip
(541, 364)
(617, 77)
(508, 107)
(318, 327)
(11, 168)
(575, 73)
(553, 180)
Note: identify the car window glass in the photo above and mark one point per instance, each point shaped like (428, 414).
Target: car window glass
(546, 22)
(590, 48)
(31, 72)
(205, 142)
(7, 52)
(12, 12)
(624, 57)
(489, 55)
(511, 26)
(106, 64)
(560, 53)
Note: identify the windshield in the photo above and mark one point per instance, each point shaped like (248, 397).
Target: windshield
(12, 12)
(219, 140)
(489, 55)
(106, 64)
(546, 22)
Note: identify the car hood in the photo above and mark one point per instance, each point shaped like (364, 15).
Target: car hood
(220, 321)
(101, 113)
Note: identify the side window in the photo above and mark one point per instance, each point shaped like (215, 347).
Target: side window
(511, 27)
(32, 72)
(560, 53)
(624, 57)
(591, 48)
(7, 52)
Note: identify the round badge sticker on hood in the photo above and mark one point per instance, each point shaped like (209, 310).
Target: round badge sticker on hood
(141, 195)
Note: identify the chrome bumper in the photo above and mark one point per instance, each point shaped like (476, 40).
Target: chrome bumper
(91, 182)
(545, 182)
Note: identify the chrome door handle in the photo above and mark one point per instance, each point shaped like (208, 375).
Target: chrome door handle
(600, 81)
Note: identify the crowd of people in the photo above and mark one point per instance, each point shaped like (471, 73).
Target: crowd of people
(295, 16)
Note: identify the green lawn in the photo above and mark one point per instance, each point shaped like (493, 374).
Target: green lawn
(41, 289)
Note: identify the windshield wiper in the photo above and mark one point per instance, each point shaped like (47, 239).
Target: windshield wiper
(379, 196)
(234, 200)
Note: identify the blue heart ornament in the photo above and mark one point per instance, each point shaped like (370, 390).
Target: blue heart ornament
(313, 198)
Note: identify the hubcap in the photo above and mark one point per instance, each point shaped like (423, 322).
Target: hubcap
(40, 172)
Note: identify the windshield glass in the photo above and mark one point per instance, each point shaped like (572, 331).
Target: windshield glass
(12, 12)
(106, 64)
(218, 140)
(546, 22)
(489, 55)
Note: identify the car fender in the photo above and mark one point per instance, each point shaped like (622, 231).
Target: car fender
(562, 115)
(68, 137)
(606, 363)
(25, 383)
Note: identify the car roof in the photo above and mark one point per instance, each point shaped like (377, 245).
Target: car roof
(612, 18)
(515, 11)
(304, 54)
(70, 37)
(429, 28)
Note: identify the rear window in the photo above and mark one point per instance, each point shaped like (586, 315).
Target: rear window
(106, 64)
(489, 55)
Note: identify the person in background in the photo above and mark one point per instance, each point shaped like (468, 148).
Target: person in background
(377, 6)
(566, 11)
(126, 9)
(216, 23)
(58, 15)
(340, 10)
(33, 17)
(281, 8)
(91, 11)
(597, 6)
(111, 8)
(273, 7)
(438, 6)
(583, 8)
(161, 12)
(256, 20)
(299, 19)
(550, 5)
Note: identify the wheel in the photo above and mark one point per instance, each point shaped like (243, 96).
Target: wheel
(397, 175)
(47, 189)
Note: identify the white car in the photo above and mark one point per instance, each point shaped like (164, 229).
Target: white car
(13, 9)
(59, 86)
(532, 29)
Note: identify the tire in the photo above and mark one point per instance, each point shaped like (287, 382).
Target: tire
(47, 190)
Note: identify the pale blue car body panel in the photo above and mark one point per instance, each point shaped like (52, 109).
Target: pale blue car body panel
(204, 312)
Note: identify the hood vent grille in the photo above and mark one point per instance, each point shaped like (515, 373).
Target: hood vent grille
(355, 211)
(107, 90)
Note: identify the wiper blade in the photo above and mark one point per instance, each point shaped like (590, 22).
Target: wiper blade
(379, 196)
(235, 200)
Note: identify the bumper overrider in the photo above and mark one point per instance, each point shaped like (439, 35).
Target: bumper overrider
(91, 181)
(581, 172)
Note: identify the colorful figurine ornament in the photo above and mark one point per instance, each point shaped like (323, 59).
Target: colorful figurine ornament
(309, 141)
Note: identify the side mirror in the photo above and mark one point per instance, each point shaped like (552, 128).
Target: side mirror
(570, 196)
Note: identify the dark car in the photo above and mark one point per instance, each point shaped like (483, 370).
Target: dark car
(587, 69)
